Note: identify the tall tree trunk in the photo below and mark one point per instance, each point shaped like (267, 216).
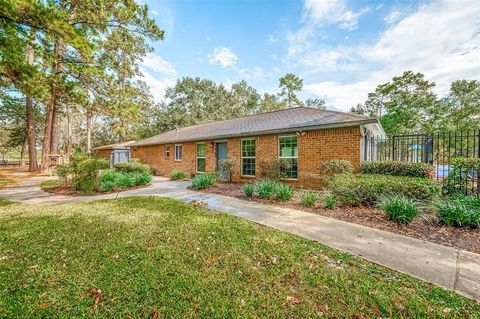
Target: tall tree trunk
(29, 112)
(89, 131)
(46, 138)
(50, 139)
(58, 69)
(69, 145)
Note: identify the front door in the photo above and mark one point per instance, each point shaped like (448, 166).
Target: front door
(221, 153)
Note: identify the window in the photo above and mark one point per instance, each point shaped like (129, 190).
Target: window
(167, 151)
(288, 149)
(248, 157)
(178, 152)
(201, 154)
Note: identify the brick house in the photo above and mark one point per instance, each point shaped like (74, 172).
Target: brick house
(305, 136)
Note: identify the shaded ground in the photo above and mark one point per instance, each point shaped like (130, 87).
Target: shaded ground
(426, 227)
(148, 257)
(55, 187)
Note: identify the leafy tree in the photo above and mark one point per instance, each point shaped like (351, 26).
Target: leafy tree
(271, 102)
(69, 38)
(290, 84)
(463, 105)
(405, 105)
(316, 103)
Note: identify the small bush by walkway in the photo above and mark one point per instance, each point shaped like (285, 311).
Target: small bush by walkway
(162, 257)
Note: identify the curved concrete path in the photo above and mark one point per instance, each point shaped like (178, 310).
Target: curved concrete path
(444, 266)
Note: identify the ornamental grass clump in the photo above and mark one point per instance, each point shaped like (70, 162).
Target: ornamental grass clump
(399, 209)
(330, 202)
(265, 188)
(309, 198)
(460, 211)
(282, 192)
(204, 181)
(177, 174)
(248, 189)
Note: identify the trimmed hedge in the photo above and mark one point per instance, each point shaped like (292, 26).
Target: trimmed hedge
(369, 189)
(396, 168)
(133, 168)
(117, 180)
(334, 167)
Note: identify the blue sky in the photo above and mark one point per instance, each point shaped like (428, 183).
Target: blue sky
(342, 49)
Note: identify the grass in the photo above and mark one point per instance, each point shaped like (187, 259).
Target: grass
(49, 184)
(4, 181)
(142, 256)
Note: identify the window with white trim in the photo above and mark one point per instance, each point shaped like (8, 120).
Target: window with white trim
(178, 152)
(288, 150)
(167, 151)
(248, 157)
(201, 155)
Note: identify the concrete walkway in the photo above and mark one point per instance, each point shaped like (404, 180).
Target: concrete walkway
(447, 267)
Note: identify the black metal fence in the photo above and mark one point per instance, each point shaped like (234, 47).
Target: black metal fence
(438, 149)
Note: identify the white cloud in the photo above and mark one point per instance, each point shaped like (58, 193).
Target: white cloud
(440, 40)
(332, 11)
(255, 73)
(224, 57)
(392, 17)
(317, 13)
(158, 64)
(158, 74)
(157, 85)
(272, 39)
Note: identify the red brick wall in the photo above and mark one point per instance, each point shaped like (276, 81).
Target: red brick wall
(314, 147)
(104, 153)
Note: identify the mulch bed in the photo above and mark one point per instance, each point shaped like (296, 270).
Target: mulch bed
(426, 227)
(69, 191)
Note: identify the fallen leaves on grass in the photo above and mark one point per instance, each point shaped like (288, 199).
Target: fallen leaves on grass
(42, 306)
(96, 294)
(291, 301)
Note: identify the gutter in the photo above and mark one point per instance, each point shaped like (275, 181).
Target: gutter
(267, 132)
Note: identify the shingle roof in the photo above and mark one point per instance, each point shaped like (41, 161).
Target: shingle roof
(292, 119)
(116, 145)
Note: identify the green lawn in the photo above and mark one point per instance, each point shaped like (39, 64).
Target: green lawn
(143, 257)
(3, 181)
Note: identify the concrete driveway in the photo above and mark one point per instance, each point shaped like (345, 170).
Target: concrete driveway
(444, 266)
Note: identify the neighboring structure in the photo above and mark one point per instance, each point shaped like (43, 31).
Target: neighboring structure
(305, 136)
(116, 153)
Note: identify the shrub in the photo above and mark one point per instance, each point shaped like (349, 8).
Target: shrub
(334, 167)
(225, 168)
(203, 181)
(275, 169)
(116, 180)
(368, 189)
(248, 189)
(282, 192)
(177, 174)
(330, 202)
(82, 172)
(265, 188)
(462, 177)
(460, 211)
(399, 209)
(133, 168)
(308, 198)
(396, 168)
